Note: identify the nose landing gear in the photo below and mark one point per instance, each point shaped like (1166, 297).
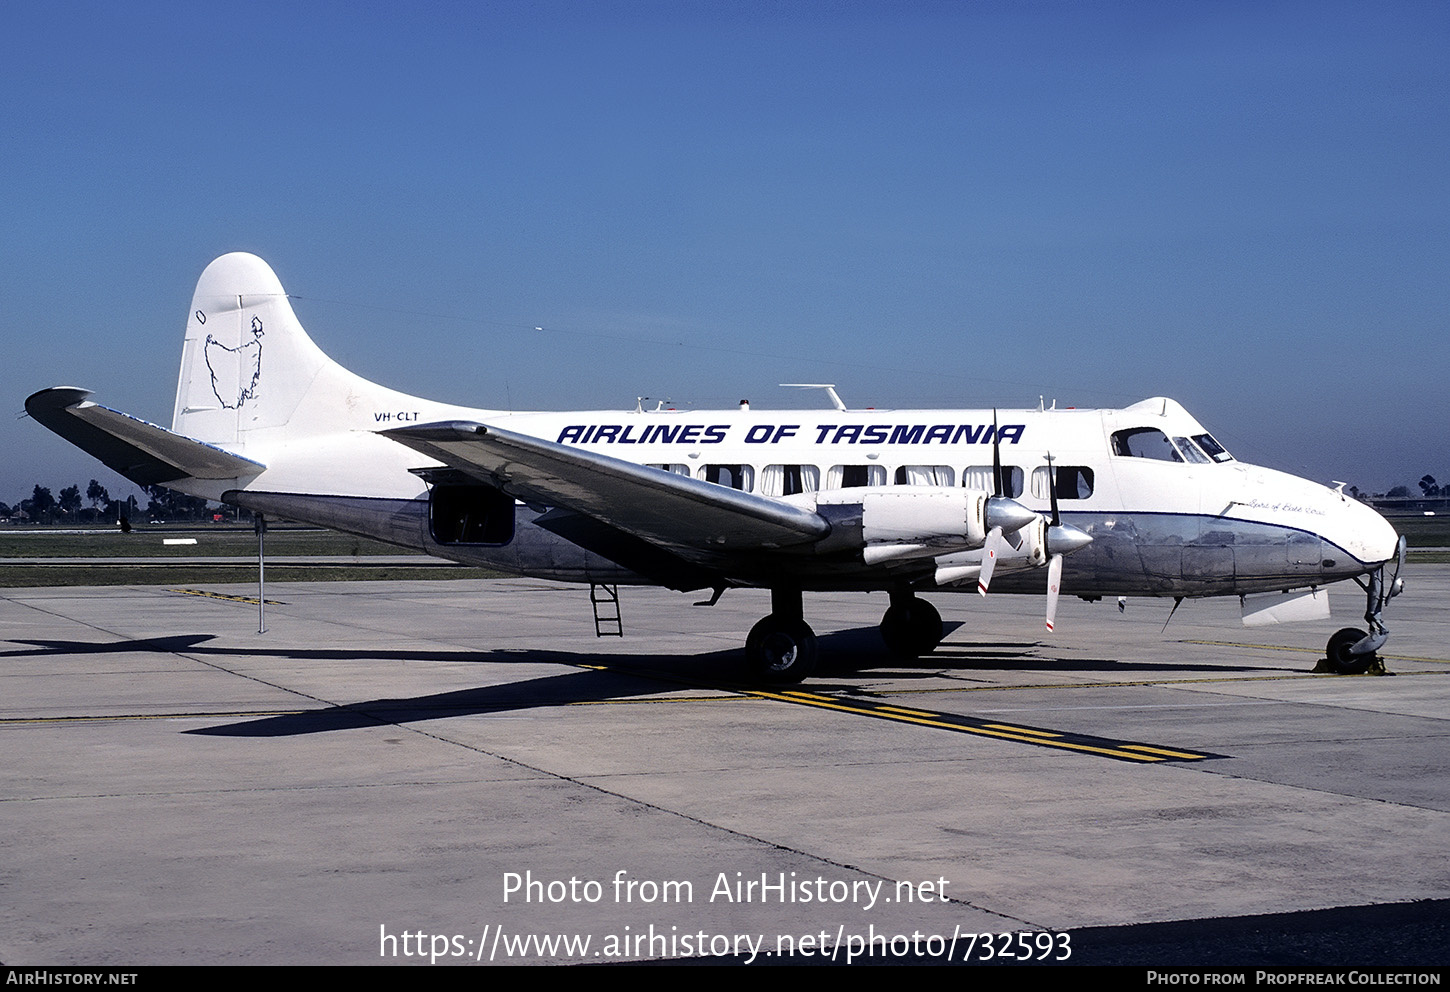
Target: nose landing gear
(1352, 651)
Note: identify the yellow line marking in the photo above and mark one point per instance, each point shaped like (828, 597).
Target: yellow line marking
(962, 725)
(219, 595)
(1161, 750)
(1021, 730)
(967, 728)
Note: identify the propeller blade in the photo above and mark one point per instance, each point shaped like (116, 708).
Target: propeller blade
(996, 457)
(996, 544)
(1054, 580)
(1052, 489)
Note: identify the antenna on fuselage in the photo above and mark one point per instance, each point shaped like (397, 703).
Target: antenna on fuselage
(830, 389)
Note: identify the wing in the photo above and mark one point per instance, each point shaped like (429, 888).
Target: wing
(669, 510)
(144, 453)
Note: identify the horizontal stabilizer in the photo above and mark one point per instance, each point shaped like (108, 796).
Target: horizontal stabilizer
(144, 453)
(673, 510)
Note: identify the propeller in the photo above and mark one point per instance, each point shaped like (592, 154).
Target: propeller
(1061, 539)
(996, 540)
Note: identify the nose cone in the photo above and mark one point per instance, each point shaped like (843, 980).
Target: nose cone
(1361, 531)
(1355, 539)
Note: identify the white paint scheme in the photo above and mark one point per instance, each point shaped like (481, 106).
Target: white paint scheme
(264, 419)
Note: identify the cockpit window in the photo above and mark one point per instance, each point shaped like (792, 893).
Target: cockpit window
(1190, 451)
(1145, 442)
(1214, 450)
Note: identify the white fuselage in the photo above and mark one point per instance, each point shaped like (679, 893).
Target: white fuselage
(1162, 522)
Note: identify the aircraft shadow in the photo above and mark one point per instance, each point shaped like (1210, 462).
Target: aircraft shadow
(846, 656)
(541, 693)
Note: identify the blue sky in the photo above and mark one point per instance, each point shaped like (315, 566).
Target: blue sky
(1244, 206)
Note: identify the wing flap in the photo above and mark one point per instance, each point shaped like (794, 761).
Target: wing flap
(144, 453)
(671, 510)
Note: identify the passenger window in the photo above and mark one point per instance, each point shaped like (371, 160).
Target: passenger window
(925, 475)
(787, 480)
(980, 477)
(740, 477)
(855, 476)
(1073, 482)
(1144, 442)
(674, 469)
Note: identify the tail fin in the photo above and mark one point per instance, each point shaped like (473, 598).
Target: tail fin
(247, 362)
(252, 382)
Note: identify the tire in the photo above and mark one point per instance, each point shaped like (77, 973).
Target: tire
(780, 652)
(911, 631)
(896, 632)
(1339, 657)
(926, 626)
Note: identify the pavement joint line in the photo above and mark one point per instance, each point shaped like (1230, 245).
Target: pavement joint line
(1146, 682)
(1283, 647)
(101, 717)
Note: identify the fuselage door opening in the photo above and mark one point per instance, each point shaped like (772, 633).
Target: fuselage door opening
(470, 513)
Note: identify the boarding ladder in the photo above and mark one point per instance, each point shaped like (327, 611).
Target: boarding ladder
(605, 600)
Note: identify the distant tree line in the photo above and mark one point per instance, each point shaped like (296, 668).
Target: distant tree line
(1429, 489)
(97, 507)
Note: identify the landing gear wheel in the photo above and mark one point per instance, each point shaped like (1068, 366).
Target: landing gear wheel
(912, 629)
(1339, 657)
(781, 651)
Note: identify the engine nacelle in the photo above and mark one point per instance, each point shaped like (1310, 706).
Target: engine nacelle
(929, 516)
(889, 523)
(914, 521)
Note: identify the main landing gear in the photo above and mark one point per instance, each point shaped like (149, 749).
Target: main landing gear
(782, 647)
(911, 627)
(1352, 651)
